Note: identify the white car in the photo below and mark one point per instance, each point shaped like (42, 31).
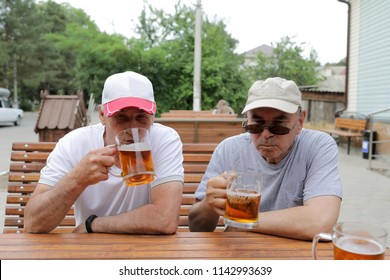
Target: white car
(7, 113)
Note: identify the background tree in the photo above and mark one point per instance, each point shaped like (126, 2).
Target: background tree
(287, 61)
(342, 62)
(168, 59)
(53, 46)
(62, 50)
(18, 33)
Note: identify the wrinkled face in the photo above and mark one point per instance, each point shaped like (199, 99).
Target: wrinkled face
(271, 146)
(126, 118)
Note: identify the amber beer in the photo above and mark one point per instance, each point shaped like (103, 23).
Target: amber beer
(354, 241)
(242, 206)
(355, 248)
(137, 164)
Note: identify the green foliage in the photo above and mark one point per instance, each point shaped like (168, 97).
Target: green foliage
(287, 61)
(26, 105)
(55, 47)
(169, 60)
(342, 62)
(19, 32)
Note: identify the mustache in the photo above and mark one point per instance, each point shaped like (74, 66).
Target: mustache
(266, 142)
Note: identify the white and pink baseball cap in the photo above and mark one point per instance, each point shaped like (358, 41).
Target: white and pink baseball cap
(128, 89)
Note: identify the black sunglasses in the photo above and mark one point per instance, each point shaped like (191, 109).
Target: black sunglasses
(273, 128)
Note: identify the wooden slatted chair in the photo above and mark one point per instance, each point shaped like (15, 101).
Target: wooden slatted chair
(27, 159)
(196, 158)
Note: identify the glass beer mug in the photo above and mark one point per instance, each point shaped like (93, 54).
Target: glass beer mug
(135, 156)
(354, 241)
(243, 199)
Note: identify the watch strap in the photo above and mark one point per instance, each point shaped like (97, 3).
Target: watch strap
(88, 223)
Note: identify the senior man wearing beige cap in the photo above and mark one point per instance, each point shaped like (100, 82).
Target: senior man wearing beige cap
(77, 171)
(301, 193)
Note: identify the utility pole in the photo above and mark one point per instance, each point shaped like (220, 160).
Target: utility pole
(197, 57)
(16, 101)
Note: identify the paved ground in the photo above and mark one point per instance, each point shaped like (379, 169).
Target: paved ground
(366, 193)
(9, 134)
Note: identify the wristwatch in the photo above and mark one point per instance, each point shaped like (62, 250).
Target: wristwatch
(88, 223)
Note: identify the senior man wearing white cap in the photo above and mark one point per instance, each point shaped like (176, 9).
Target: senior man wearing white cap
(77, 171)
(301, 192)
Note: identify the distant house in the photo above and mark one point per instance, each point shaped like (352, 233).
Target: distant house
(334, 75)
(250, 57)
(60, 114)
(334, 78)
(322, 101)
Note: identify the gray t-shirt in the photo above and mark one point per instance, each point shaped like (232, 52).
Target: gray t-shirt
(310, 169)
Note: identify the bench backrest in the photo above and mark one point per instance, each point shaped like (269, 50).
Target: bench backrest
(204, 130)
(352, 124)
(195, 114)
(27, 159)
(209, 115)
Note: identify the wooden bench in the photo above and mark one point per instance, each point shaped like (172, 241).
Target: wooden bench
(27, 159)
(204, 130)
(349, 128)
(195, 114)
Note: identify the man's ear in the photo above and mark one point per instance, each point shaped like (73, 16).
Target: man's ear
(102, 116)
(302, 117)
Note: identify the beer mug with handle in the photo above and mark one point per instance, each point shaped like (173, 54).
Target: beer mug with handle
(354, 241)
(243, 199)
(135, 156)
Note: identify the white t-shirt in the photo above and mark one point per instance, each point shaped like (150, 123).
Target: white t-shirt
(310, 169)
(113, 196)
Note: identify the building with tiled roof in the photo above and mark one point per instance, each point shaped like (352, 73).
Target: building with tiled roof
(60, 114)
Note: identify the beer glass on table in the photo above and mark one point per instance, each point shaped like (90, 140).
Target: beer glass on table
(243, 199)
(135, 156)
(354, 241)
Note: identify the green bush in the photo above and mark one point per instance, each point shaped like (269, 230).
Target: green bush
(26, 105)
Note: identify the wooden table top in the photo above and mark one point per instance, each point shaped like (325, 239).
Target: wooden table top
(182, 245)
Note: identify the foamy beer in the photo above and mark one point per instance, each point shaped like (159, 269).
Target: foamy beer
(243, 199)
(135, 156)
(355, 241)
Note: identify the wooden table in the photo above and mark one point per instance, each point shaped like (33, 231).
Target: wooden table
(182, 245)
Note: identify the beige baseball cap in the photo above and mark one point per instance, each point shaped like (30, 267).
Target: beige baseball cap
(277, 93)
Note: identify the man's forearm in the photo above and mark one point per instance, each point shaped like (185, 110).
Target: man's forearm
(202, 217)
(44, 212)
(301, 222)
(161, 216)
(48, 206)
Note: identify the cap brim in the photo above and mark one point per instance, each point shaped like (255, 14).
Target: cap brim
(278, 104)
(116, 105)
